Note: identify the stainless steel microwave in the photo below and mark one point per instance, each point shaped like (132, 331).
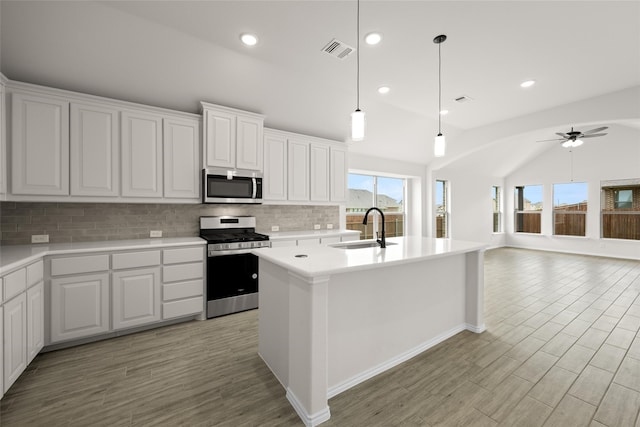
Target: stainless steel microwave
(231, 186)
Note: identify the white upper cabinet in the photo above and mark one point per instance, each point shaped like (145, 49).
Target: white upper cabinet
(274, 184)
(319, 172)
(39, 145)
(232, 138)
(94, 150)
(249, 131)
(141, 154)
(339, 170)
(298, 170)
(182, 158)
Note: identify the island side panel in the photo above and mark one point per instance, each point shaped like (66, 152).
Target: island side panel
(381, 317)
(273, 319)
(475, 291)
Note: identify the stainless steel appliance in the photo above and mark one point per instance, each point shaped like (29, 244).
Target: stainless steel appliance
(231, 186)
(232, 271)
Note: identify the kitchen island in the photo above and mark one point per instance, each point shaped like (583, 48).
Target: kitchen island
(333, 317)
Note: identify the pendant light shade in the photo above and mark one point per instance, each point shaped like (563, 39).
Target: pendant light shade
(357, 117)
(439, 145)
(357, 125)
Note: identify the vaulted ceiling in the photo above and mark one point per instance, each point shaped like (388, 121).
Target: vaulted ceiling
(174, 54)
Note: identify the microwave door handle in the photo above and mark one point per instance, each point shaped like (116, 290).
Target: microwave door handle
(255, 188)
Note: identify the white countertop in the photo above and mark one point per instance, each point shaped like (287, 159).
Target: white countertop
(15, 256)
(308, 234)
(324, 260)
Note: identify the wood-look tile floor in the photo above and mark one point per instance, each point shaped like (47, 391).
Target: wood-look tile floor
(562, 348)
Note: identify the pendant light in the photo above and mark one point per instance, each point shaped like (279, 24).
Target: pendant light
(357, 117)
(439, 144)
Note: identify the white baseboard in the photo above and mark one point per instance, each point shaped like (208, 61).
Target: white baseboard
(309, 420)
(369, 373)
(473, 328)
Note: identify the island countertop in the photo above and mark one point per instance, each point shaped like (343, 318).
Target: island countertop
(325, 260)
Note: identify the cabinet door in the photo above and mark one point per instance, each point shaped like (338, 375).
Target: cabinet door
(79, 306)
(136, 297)
(39, 145)
(319, 173)
(3, 159)
(1, 353)
(94, 150)
(141, 155)
(249, 143)
(181, 158)
(298, 170)
(338, 174)
(274, 184)
(35, 320)
(15, 339)
(219, 139)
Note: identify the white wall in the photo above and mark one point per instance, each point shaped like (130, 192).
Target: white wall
(416, 173)
(615, 156)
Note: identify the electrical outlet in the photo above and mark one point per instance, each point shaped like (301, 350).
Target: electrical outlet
(155, 233)
(316, 227)
(39, 238)
(275, 228)
(329, 226)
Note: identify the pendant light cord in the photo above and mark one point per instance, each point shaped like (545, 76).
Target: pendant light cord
(358, 59)
(439, 88)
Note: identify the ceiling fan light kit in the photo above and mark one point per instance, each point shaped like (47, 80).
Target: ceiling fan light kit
(439, 145)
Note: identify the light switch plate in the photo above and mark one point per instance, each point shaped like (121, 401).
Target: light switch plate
(329, 226)
(155, 233)
(316, 227)
(275, 228)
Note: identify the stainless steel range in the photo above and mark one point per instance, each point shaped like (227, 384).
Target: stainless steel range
(232, 271)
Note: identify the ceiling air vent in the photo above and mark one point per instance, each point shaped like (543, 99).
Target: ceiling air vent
(338, 49)
(463, 98)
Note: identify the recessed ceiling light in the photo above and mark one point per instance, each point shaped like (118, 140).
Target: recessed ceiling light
(373, 38)
(383, 89)
(528, 83)
(249, 39)
(444, 112)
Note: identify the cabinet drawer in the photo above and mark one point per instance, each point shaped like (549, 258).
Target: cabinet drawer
(79, 264)
(135, 259)
(174, 273)
(183, 307)
(35, 273)
(192, 288)
(15, 283)
(175, 256)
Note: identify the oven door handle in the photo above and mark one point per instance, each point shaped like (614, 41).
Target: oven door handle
(229, 252)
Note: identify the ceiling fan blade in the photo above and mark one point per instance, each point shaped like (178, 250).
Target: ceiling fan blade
(596, 130)
(557, 139)
(563, 135)
(593, 135)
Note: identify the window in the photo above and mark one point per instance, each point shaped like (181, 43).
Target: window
(570, 209)
(442, 209)
(385, 193)
(620, 218)
(528, 209)
(497, 209)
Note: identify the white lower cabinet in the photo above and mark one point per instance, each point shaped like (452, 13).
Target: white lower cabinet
(136, 297)
(183, 282)
(79, 306)
(35, 320)
(1, 352)
(15, 339)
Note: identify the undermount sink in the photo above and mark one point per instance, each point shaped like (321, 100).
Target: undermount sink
(360, 245)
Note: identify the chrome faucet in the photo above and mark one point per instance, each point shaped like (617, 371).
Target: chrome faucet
(383, 243)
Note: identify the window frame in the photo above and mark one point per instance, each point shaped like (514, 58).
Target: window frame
(610, 214)
(556, 211)
(446, 214)
(519, 211)
(496, 199)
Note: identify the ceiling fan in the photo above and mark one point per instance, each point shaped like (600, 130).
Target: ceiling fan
(573, 138)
